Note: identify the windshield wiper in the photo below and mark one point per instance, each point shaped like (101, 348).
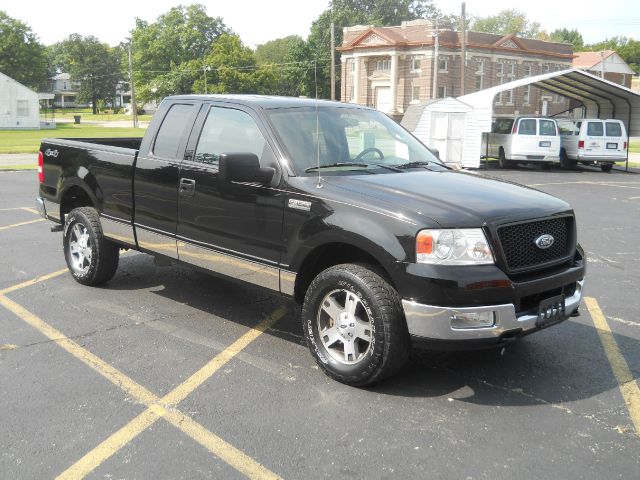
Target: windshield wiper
(423, 163)
(393, 168)
(339, 164)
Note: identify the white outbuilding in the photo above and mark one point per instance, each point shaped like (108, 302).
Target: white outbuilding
(448, 125)
(19, 105)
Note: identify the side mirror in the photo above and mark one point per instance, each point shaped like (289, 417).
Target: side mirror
(243, 167)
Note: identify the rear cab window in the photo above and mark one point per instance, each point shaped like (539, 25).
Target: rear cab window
(613, 129)
(527, 126)
(594, 129)
(548, 128)
(172, 130)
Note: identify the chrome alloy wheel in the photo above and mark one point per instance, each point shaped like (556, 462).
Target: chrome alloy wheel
(80, 250)
(344, 327)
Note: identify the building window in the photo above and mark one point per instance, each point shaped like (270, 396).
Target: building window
(443, 64)
(479, 78)
(415, 64)
(64, 86)
(545, 68)
(353, 65)
(383, 65)
(442, 91)
(526, 98)
(480, 69)
(528, 70)
(23, 108)
(512, 70)
(508, 97)
(353, 93)
(415, 93)
(500, 68)
(624, 79)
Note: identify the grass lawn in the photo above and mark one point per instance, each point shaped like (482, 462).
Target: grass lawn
(28, 141)
(87, 115)
(19, 167)
(634, 147)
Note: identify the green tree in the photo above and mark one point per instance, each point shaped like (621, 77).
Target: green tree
(22, 56)
(168, 54)
(568, 36)
(507, 22)
(275, 51)
(92, 63)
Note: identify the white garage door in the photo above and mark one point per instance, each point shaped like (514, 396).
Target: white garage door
(383, 99)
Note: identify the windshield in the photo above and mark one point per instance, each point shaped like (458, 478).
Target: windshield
(348, 140)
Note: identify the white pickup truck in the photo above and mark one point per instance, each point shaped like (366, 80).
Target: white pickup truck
(592, 141)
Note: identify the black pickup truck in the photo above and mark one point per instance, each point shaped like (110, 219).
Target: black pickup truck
(333, 204)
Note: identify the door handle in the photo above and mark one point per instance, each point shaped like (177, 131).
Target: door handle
(187, 187)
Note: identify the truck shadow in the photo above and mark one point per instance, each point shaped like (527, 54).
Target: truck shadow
(562, 364)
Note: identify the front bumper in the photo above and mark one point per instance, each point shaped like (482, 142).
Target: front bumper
(433, 324)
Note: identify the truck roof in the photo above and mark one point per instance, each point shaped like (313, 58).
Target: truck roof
(265, 101)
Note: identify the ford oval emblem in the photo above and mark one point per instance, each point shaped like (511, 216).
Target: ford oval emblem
(544, 241)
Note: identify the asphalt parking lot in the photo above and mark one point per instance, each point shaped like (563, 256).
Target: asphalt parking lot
(169, 373)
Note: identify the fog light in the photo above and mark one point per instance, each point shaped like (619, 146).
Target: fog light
(473, 320)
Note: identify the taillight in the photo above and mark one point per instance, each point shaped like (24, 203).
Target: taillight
(40, 167)
(515, 128)
(580, 143)
(625, 145)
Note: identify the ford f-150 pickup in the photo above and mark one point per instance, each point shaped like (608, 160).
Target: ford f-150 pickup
(333, 204)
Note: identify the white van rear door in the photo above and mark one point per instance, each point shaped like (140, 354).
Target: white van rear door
(548, 138)
(614, 139)
(594, 144)
(525, 139)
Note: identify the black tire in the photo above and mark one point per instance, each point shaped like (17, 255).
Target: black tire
(102, 261)
(502, 160)
(606, 167)
(545, 166)
(389, 345)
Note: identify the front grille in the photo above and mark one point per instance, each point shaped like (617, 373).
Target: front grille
(520, 250)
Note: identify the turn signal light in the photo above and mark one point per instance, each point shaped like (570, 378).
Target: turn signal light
(40, 167)
(424, 243)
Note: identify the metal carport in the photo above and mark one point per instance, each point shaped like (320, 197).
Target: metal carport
(601, 98)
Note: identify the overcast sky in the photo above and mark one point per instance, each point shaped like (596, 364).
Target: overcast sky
(259, 21)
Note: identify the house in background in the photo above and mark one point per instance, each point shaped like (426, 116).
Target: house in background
(65, 91)
(19, 105)
(390, 68)
(615, 69)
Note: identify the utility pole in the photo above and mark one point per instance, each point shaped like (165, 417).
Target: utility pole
(463, 65)
(333, 63)
(134, 109)
(436, 61)
(204, 70)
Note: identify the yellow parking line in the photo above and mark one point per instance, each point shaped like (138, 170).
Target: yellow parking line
(6, 227)
(164, 408)
(156, 407)
(30, 210)
(626, 381)
(33, 281)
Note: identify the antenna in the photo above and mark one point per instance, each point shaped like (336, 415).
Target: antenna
(315, 79)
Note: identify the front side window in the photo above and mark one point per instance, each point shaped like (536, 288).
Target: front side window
(343, 139)
(548, 128)
(227, 130)
(594, 129)
(171, 131)
(527, 126)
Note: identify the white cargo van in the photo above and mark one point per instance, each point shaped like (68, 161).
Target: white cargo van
(524, 139)
(592, 141)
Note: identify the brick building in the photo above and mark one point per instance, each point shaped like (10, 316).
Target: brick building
(392, 67)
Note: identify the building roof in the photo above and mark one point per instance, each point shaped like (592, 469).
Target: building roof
(590, 59)
(420, 32)
(600, 97)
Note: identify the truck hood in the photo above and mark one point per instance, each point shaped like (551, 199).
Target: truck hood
(450, 199)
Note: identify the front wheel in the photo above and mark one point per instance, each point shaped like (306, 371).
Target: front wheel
(92, 259)
(354, 325)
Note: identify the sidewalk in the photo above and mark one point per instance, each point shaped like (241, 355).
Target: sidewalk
(8, 160)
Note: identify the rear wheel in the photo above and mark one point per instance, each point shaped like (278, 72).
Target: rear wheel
(606, 167)
(502, 160)
(92, 259)
(354, 325)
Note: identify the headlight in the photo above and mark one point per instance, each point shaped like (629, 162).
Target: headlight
(466, 246)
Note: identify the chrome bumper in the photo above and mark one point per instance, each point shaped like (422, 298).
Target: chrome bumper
(42, 209)
(432, 322)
